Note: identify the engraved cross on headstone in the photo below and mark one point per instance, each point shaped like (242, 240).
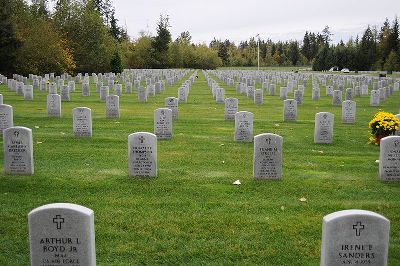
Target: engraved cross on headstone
(141, 138)
(58, 220)
(358, 227)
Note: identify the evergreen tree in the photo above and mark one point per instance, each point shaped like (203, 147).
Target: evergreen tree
(161, 42)
(9, 42)
(116, 63)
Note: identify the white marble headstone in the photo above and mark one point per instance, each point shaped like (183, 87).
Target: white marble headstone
(82, 121)
(389, 158)
(18, 151)
(163, 123)
(289, 110)
(267, 156)
(355, 237)
(231, 108)
(323, 132)
(142, 154)
(54, 105)
(62, 234)
(6, 117)
(243, 126)
(349, 112)
(112, 106)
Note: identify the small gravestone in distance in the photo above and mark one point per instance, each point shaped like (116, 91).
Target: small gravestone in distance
(374, 98)
(267, 157)
(337, 98)
(62, 234)
(243, 127)
(82, 121)
(349, 94)
(6, 117)
(163, 123)
(258, 96)
(118, 89)
(172, 103)
(220, 95)
(355, 237)
(53, 88)
(289, 110)
(329, 91)
(182, 94)
(128, 87)
(142, 94)
(283, 93)
(104, 92)
(85, 89)
(65, 94)
(389, 159)
(142, 154)
(1, 98)
(323, 132)
(28, 92)
(349, 112)
(316, 93)
(112, 106)
(54, 105)
(231, 108)
(18, 151)
(272, 90)
(298, 96)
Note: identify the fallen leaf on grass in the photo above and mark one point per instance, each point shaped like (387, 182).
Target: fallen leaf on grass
(39, 142)
(36, 126)
(62, 133)
(237, 182)
(303, 199)
(377, 161)
(282, 208)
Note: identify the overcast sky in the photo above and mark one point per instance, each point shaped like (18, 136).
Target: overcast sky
(240, 20)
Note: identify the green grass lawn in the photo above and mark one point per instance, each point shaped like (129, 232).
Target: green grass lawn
(191, 213)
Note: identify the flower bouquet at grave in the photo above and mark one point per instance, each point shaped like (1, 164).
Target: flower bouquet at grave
(382, 125)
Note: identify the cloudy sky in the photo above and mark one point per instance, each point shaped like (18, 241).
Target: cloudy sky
(240, 20)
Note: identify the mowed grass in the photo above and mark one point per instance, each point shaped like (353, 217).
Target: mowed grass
(191, 213)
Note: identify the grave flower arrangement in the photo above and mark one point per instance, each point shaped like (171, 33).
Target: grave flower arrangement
(382, 125)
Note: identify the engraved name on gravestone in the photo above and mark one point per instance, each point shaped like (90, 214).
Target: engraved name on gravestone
(374, 98)
(323, 131)
(18, 151)
(172, 103)
(82, 121)
(243, 126)
(6, 117)
(231, 108)
(142, 154)
(54, 105)
(163, 123)
(62, 234)
(289, 110)
(389, 158)
(267, 156)
(349, 112)
(355, 237)
(112, 106)
(337, 98)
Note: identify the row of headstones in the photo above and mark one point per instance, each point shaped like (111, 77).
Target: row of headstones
(64, 234)
(289, 79)
(257, 95)
(142, 146)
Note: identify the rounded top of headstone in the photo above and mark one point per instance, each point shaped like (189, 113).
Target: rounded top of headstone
(16, 128)
(55, 206)
(263, 135)
(355, 212)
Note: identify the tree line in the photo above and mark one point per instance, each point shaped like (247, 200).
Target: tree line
(84, 36)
